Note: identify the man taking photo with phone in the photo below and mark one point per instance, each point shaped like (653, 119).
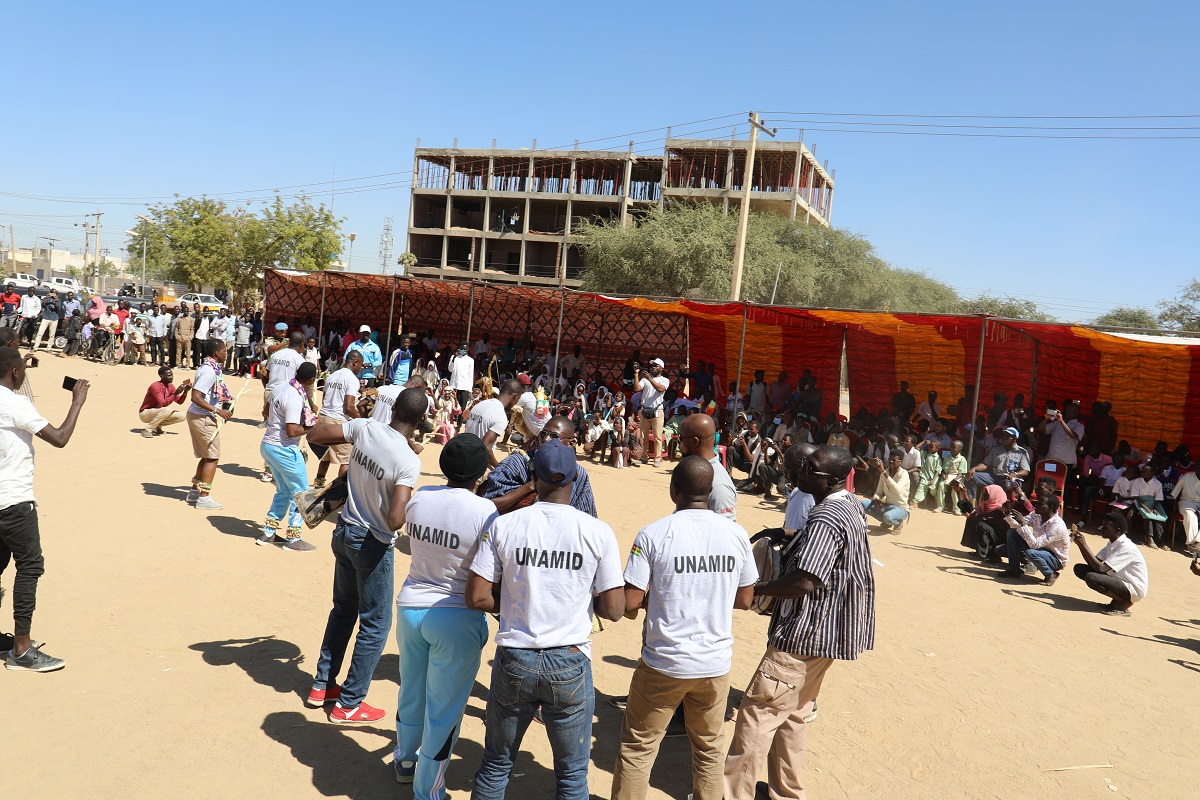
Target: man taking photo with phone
(20, 540)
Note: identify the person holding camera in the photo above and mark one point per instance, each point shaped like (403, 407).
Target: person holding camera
(20, 539)
(653, 386)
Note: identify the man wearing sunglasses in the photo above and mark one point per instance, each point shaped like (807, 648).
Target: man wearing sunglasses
(827, 613)
(511, 484)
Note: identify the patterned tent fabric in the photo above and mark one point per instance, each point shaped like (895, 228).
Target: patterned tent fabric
(1154, 387)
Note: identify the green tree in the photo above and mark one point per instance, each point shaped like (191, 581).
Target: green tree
(688, 250)
(1128, 317)
(1182, 313)
(204, 242)
(1004, 306)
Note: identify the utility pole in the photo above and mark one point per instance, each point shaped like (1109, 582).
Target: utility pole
(100, 263)
(385, 246)
(739, 246)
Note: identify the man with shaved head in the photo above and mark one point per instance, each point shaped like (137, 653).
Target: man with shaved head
(826, 613)
(511, 484)
(697, 437)
(689, 570)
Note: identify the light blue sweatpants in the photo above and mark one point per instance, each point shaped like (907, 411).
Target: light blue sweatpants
(291, 476)
(439, 659)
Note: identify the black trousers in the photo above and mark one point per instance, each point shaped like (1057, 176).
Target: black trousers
(158, 354)
(1104, 584)
(21, 542)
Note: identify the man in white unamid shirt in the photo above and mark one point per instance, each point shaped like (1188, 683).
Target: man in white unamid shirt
(1118, 571)
(383, 472)
(557, 566)
(489, 418)
(339, 404)
(691, 569)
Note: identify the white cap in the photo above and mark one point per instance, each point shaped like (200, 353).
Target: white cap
(365, 329)
(658, 361)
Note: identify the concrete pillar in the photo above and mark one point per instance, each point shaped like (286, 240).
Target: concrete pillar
(446, 216)
(487, 210)
(623, 214)
(662, 181)
(728, 187)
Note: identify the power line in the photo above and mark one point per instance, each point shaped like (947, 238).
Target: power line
(977, 116)
(985, 135)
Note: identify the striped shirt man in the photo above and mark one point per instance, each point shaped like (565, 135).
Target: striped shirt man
(837, 620)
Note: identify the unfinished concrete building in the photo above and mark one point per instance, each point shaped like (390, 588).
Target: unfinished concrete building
(508, 215)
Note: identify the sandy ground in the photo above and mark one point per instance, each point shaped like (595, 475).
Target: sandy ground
(189, 650)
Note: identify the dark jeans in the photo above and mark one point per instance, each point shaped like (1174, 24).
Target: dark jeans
(72, 347)
(158, 354)
(1109, 585)
(172, 346)
(362, 591)
(559, 680)
(21, 542)
(241, 354)
(198, 354)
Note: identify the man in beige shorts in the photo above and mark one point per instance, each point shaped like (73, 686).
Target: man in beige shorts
(339, 405)
(653, 386)
(203, 421)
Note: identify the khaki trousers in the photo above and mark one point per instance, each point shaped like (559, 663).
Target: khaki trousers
(653, 698)
(159, 417)
(183, 345)
(652, 434)
(771, 728)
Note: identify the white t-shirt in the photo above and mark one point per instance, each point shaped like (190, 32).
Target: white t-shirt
(550, 559)
(287, 405)
(488, 415)
(758, 396)
(282, 366)
(482, 348)
(380, 461)
(462, 373)
(205, 382)
(1140, 487)
(337, 386)
(723, 497)
(1127, 561)
(652, 396)
(528, 405)
(1062, 446)
(19, 423)
(443, 525)
(690, 565)
(798, 505)
(385, 403)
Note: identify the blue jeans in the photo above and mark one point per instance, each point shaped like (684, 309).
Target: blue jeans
(439, 658)
(885, 512)
(560, 681)
(1046, 562)
(291, 476)
(362, 591)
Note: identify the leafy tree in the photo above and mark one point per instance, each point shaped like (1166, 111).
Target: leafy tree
(1182, 313)
(204, 242)
(1007, 307)
(407, 260)
(1128, 317)
(688, 249)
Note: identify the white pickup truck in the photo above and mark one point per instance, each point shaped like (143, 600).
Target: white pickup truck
(20, 280)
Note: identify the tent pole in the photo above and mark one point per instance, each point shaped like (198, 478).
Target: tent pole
(599, 347)
(975, 398)
(562, 305)
(470, 311)
(321, 323)
(391, 312)
(843, 380)
(737, 390)
(1033, 383)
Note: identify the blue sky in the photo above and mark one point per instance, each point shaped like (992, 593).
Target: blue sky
(121, 100)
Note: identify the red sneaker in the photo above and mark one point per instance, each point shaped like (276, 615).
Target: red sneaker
(319, 697)
(355, 716)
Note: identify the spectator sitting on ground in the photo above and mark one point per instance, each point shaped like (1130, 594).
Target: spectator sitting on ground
(889, 504)
(986, 529)
(1118, 571)
(1042, 538)
(744, 445)
(954, 469)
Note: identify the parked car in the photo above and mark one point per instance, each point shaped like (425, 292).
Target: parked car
(21, 280)
(65, 284)
(207, 302)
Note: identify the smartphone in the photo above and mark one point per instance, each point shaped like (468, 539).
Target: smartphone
(69, 384)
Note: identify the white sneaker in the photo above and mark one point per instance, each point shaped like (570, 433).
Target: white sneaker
(206, 503)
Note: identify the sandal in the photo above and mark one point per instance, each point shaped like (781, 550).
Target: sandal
(1115, 612)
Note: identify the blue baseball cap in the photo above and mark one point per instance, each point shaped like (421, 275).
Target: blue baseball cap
(1012, 432)
(281, 326)
(554, 463)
